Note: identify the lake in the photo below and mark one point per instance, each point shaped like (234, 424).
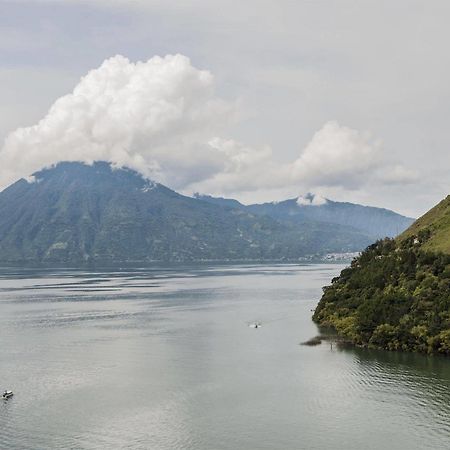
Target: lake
(164, 358)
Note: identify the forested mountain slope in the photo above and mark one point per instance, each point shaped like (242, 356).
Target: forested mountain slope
(75, 213)
(396, 294)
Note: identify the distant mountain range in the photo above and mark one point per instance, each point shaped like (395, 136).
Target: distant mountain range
(75, 214)
(374, 222)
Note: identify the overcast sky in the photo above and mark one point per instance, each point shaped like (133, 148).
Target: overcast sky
(258, 100)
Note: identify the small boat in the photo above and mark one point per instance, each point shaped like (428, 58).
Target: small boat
(7, 394)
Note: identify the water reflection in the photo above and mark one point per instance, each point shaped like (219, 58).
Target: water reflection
(163, 358)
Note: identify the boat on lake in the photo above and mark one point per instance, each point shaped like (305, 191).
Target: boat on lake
(7, 394)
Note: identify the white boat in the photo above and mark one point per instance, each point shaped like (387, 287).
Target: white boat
(7, 394)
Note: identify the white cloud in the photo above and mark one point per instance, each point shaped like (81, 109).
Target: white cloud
(298, 65)
(337, 155)
(311, 200)
(155, 117)
(162, 118)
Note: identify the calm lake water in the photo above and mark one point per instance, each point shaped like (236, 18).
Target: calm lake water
(165, 359)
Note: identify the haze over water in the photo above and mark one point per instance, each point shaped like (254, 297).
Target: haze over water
(164, 358)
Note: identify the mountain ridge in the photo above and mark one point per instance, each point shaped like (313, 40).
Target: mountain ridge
(375, 222)
(75, 213)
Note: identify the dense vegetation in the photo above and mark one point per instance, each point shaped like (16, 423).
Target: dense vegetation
(75, 214)
(394, 296)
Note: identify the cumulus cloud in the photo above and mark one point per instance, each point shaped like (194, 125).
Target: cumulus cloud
(155, 117)
(163, 118)
(337, 155)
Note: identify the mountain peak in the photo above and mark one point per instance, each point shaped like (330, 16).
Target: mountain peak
(82, 170)
(76, 213)
(311, 208)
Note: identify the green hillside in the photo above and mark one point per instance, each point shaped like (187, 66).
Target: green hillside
(396, 294)
(435, 225)
(75, 214)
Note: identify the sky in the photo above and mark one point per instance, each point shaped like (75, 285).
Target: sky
(257, 100)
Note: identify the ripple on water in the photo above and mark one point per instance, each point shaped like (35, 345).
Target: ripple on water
(163, 359)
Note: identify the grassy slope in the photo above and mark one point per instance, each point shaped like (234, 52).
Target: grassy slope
(437, 221)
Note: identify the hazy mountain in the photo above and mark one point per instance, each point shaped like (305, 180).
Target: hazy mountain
(75, 213)
(396, 294)
(374, 222)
